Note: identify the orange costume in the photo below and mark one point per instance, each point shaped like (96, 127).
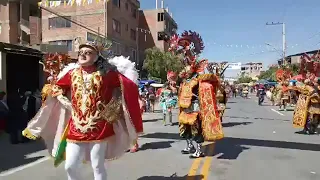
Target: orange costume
(199, 118)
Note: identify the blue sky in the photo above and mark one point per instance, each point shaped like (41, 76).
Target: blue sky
(234, 22)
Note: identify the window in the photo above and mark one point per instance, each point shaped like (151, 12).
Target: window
(116, 26)
(127, 6)
(133, 34)
(67, 43)
(0, 28)
(160, 17)
(59, 22)
(163, 36)
(133, 55)
(116, 3)
(127, 27)
(116, 48)
(133, 11)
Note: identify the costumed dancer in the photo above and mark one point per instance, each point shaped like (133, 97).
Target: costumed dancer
(93, 112)
(307, 110)
(168, 97)
(199, 117)
(283, 76)
(53, 64)
(219, 69)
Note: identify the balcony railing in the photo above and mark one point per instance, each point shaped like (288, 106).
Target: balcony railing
(25, 26)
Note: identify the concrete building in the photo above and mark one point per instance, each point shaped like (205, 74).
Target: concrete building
(19, 27)
(155, 26)
(20, 22)
(296, 58)
(116, 19)
(252, 69)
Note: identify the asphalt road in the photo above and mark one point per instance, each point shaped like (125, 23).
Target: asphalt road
(260, 144)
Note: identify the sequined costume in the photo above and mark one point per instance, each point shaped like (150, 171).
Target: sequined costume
(169, 97)
(283, 76)
(219, 69)
(307, 110)
(92, 113)
(199, 118)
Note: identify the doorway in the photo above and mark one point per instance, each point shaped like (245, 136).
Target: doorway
(22, 72)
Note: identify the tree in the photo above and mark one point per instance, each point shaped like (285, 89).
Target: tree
(244, 79)
(158, 63)
(269, 74)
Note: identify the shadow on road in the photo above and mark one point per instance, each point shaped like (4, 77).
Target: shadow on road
(231, 102)
(156, 145)
(173, 177)
(260, 118)
(12, 156)
(228, 151)
(231, 124)
(152, 120)
(231, 141)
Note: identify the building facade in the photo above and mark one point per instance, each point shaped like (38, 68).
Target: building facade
(115, 19)
(155, 27)
(252, 69)
(20, 22)
(20, 26)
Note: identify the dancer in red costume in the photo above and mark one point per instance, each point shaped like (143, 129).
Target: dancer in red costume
(92, 114)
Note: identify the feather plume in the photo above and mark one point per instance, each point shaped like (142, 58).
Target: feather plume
(125, 67)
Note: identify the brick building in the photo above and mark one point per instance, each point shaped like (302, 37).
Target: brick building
(19, 27)
(116, 19)
(155, 25)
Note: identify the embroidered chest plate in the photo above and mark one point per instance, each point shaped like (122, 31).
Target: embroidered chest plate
(186, 93)
(86, 89)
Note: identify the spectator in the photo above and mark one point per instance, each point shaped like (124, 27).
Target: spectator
(4, 111)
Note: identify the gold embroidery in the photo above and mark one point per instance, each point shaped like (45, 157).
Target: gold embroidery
(185, 96)
(188, 118)
(207, 77)
(301, 112)
(211, 124)
(56, 90)
(86, 97)
(113, 111)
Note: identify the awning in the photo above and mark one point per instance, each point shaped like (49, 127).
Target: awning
(18, 49)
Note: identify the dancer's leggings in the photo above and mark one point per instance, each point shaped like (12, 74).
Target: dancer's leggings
(75, 153)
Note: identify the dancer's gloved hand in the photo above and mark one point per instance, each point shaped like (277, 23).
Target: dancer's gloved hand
(26, 133)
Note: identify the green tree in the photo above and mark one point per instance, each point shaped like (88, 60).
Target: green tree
(244, 79)
(158, 63)
(269, 74)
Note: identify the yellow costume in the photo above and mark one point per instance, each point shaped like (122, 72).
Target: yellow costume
(307, 111)
(199, 119)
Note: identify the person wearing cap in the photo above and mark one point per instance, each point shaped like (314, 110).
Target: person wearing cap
(92, 114)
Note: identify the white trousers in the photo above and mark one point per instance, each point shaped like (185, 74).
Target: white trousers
(75, 153)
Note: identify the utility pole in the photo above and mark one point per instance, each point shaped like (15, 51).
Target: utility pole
(283, 39)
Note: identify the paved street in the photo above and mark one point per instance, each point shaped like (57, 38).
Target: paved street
(260, 144)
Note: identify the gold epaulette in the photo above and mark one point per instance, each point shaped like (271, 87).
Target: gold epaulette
(208, 77)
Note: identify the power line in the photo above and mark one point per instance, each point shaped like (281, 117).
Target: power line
(73, 21)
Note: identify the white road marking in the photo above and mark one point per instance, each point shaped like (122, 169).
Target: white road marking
(20, 168)
(277, 112)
